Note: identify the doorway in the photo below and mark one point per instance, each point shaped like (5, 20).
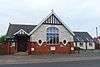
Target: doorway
(22, 42)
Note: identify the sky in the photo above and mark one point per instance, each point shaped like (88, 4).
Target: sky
(79, 15)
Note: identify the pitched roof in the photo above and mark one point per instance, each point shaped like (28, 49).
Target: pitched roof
(82, 36)
(51, 14)
(13, 28)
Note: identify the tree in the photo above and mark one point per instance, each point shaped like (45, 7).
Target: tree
(3, 39)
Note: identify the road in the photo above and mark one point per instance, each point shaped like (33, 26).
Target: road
(90, 63)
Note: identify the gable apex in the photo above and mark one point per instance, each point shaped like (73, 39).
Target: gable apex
(21, 31)
(52, 15)
(52, 20)
(13, 28)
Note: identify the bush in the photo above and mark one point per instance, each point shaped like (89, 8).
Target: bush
(3, 39)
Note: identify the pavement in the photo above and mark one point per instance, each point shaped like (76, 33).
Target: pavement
(89, 63)
(41, 59)
(17, 59)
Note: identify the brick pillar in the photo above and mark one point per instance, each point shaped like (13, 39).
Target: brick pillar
(16, 46)
(29, 48)
(8, 48)
(72, 46)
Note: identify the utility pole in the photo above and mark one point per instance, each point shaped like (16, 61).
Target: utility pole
(96, 31)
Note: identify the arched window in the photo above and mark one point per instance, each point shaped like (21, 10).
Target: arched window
(52, 35)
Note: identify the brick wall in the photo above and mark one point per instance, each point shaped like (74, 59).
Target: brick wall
(7, 48)
(35, 49)
(50, 49)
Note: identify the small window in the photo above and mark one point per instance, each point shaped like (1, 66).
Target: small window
(90, 44)
(81, 44)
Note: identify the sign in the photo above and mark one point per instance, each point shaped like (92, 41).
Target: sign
(52, 48)
(72, 48)
(32, 49)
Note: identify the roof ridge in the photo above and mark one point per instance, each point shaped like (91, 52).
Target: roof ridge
(22, 24)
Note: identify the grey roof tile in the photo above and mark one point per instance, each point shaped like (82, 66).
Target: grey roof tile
(82, 36)
(13, 28)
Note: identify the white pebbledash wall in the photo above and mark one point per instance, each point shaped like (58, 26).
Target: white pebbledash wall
(91, 47)
(84, 45)
(41, 33)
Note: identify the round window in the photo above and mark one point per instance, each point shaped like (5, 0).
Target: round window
(40, 41)
(64, 41)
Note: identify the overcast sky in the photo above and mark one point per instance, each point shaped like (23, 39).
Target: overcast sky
(79, 15)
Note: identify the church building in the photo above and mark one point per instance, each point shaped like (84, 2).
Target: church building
(50, 35)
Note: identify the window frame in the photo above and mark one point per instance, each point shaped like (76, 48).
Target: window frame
(81, 44)
(52, 35)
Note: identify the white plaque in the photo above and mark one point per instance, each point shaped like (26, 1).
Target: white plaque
(32, 49)
(72, 48)
(53, 48)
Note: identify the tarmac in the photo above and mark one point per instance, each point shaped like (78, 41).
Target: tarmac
(11, 59)
(25, 59)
